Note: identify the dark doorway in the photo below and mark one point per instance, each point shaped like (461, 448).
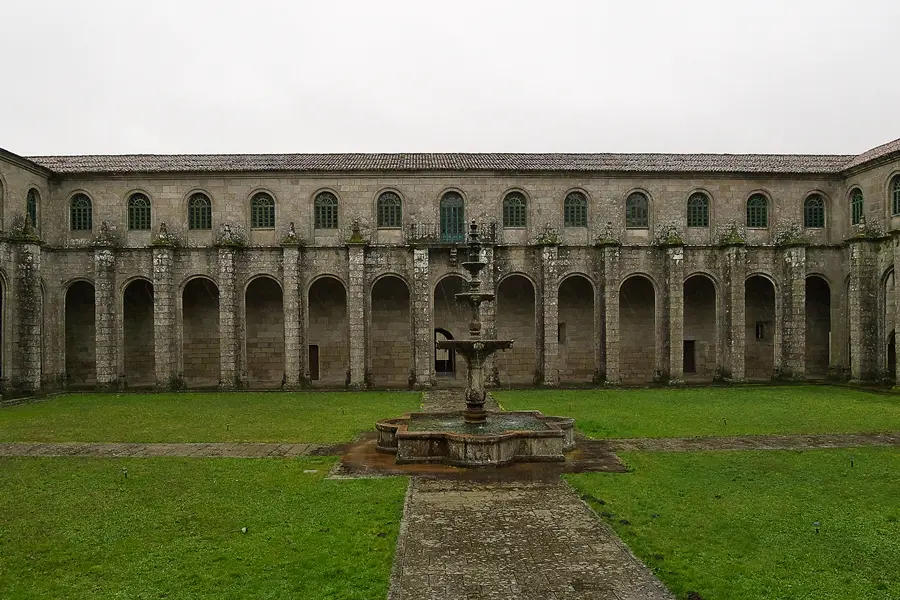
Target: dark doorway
(444, 363)
(314, 362)
(891, 356)
(690, 362)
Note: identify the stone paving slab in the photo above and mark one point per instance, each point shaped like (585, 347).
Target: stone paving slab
(143, 450)
(465, 540)
(749, 442)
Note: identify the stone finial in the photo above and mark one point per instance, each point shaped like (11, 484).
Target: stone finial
(163, 238)
(291, 238)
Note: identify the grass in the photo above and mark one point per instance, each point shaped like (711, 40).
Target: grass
(313, 417)
(714, 411)
(740, 524)
(78, 528)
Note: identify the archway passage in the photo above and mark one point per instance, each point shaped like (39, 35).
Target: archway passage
(329, 351)
(759, 311)
(264, 311)
(818, 326)
(81, 343)
(444, 360)
(888, 326)
(637, 330)
(390, 333)
(200, 333)
(515, 321)
(451, 319)
(140, 366)
(575, 333)
(700, 348)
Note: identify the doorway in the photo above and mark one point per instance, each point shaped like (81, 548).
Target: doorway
(444, 360)
(690, 359)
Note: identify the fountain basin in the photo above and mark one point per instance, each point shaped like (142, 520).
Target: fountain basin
(504, 438)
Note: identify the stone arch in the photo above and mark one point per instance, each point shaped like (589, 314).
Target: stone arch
(264, 332)
(452, 319)
(200, 350)
(888, 324)
(390, 331)
(760, 313)
(701, 315)
(818, 326)
(637, 329)
(4, 354)
(80, 334)
(516, 314)
(576, 329)
(328, 331)
(138, 333)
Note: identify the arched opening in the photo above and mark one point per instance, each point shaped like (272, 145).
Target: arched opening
(264, 314)
(139, 359)
(637, 330)
(575, 333)
(888, 325)
(390, 333)
(2, 322)
(200, 333)
(759, 350)
(700, 349)
(515, 321)
(329, 344)
(81, 343)
(818, 326)
(451, 320)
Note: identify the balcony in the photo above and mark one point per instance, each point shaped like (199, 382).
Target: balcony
(432, 234)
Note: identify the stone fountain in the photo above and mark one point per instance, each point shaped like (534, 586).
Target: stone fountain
(476, 437)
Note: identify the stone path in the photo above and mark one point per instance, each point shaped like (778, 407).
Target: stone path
(748, 442)
(450, 400)
(196, 450)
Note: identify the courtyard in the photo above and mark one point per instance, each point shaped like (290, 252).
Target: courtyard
(723, 492)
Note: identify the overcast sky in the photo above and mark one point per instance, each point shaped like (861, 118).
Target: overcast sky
(160, 76)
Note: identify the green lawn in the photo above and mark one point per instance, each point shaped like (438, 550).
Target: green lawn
(315, 417)
(78, 528)
(739, 525)
(714, 411)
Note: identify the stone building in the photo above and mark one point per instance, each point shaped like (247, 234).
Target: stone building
(331, 270)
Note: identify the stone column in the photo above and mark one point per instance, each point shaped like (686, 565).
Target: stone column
(105, 317)
(356, 309)
(793, 310)
(895, 245)
(293, 337)
(550, 315)
(488, 314)
(674, 271)
(228, 337)
(165, 303)
(599, 311)
(27, 316)
(863, 310)
(423, 334)
(734, 275)
(611, 282)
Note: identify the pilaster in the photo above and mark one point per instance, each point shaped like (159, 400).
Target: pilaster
(228, 338)
(356, 294)
(674, 270)
(164, 325)
(550, 315)
(611, 283)
(895, 247)
(105, 317)
(793, 309)
(294, 354)
(863, 311)
(734, 275)
(423, 334)
(27, 301)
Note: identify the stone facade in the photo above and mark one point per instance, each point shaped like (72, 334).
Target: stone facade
(586, 301)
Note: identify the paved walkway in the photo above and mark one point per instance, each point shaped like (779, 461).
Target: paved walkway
(197, 450)
(748, 442)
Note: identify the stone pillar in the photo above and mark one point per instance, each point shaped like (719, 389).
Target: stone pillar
(895, 245)
(863, 311)
(611, 282)
(228, 336)
(550, 315)
(734, 275)
(294, 351)
(423, 334)
(674, 272)
(599, 272)
(356, 309)
(488, 314)
(164, 316)
(793, 310)
(27, 314)
(105, 317)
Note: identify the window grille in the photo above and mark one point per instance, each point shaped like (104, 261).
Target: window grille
(575, 210)
(814, 211)
(453, 223)
(326, 208)
(80, 213)
(895, 196)
(856, 206)
(390, 210)
(199, 212)
(31, 206)
(637, 211)
(262, 211)
(138, 212)
(758, 212)
(698, 210)
(514, 210)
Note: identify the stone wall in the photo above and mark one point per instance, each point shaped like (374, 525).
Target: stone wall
(390, 333)
(637, 330)
(328, 329)
(264, 310)
(138, 341)
(760, 329)
(81, 347)
(576, 330)
(701, 326)
(200, 350)
(516, 321)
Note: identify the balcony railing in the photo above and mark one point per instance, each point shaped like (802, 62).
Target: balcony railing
(429, 233)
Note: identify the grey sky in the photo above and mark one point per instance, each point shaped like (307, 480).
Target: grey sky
(527, 76)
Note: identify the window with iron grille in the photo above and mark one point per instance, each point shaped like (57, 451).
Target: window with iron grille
(856, 206)
(453, 223)
(758, 212)
(199, 212)
(514, 210)
(895, 196)
(326, 206)
(138, 212)
(262, 211)
(637, 214)
(390, 211)
(698, 210)
(31, 206)
(814, 211)
(575, 210)
(80, 213)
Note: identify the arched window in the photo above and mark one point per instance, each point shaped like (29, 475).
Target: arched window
(326, 206)
(758, 212)
(31, 206)
(262, 211)
(895, 196)
(80, 213)
(856, 206)
(453, 222)
(199, 211)
(138, 212)
(514, 210)
(575, 210)
(390, 211)
(698, 210)
(637, 214)
(814, 211)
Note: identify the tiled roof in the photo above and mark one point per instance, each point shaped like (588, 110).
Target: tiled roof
(874, 154)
